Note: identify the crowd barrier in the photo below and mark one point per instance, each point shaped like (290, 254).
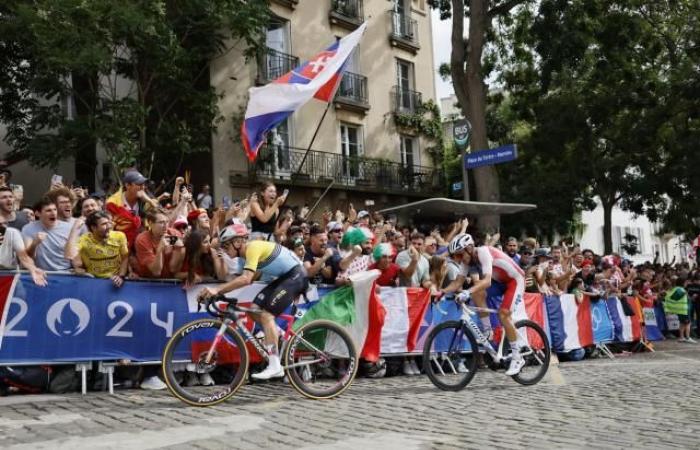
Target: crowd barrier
(80, 320)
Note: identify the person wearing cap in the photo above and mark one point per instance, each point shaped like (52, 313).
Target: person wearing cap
(363, 219)
(199, 220)
(335, 234)
(128, 205)
(382, 255)
(355, 251)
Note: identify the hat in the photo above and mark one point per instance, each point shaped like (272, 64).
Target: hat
(542, 252)
(384, 249)
(194, 214)
(180, 221)
(134, 177)
(362, 214)
(355, 236)
(525, 249)
(334, 226)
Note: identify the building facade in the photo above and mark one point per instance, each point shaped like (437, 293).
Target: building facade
(358, 150)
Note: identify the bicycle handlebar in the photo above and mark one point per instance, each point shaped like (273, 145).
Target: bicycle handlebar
(212, 306)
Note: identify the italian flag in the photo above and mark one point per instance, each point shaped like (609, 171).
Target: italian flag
(405, 309)
(357, 308)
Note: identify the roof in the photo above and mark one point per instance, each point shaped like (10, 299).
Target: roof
(449, 209)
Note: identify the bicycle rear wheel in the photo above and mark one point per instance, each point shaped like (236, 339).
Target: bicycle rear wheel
(320, 359)
(450, 356)
(200, 369)
(535, 349)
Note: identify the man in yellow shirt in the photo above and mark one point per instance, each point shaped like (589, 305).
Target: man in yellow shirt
(102, 252)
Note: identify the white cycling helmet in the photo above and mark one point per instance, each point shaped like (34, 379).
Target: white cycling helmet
(233, 231)
(460, 243)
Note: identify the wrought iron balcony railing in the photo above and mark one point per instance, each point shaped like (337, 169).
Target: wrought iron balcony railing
(352, 91)
(348, 13)
(406, 101)
(404, 31)
(282, 164)
(272, 64)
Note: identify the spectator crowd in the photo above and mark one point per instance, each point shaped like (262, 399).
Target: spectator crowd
(141, 231)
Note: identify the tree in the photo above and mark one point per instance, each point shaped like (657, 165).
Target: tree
(591, 96)
(137, 72)
(469, 72)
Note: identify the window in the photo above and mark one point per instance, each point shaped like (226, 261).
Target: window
(278, 36)
(278, 141)
(409, 152)
(406, 98)
(351, 148)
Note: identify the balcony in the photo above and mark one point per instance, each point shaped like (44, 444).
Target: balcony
(406, 101)
(291, 4)
(354, 173)
(404, 32)
(352, 93)
(346, 13)
(272, 64)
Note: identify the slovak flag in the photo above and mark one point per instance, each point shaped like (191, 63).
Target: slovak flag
(319, 77)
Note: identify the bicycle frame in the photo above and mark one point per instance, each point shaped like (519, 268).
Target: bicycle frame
(467, 313)
(240, 313)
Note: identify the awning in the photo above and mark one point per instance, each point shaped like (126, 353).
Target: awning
(437, 209)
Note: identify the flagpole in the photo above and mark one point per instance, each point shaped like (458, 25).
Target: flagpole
(308, 214)
(313, 138)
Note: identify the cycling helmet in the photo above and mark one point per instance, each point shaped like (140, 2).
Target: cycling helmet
(460, 242)
(233, 231)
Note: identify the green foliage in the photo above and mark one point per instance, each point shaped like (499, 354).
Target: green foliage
(631, 244)
(426, 122)
(590, 88)
(137, 72)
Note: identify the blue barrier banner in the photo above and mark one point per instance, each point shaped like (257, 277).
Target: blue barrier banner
(603, 330)
(651, 323)
(89, 319)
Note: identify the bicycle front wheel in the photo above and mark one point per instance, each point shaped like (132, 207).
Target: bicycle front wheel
(535, 349)
(450, 356)
(202, 369)
(320, 359)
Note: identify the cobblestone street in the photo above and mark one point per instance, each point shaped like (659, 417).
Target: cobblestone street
(638, 401)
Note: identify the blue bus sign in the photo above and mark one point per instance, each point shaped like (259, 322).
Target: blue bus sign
(491, 156)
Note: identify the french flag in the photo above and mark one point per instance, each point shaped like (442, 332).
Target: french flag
(627, 328)
(569, 322)
(271, 104)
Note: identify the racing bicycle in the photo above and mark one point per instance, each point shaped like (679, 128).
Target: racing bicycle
(319, 359)
(452, 350)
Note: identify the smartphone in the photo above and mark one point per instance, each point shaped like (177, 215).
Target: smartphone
(56, 179)
(285, 193)
(226, 200)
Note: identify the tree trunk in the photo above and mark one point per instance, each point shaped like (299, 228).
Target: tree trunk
(607, 225)
(471, 92)
(85, 100)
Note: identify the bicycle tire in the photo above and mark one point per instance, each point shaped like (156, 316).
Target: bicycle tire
(433, 367)
(540, 357)
(190, 396)
(306, 341)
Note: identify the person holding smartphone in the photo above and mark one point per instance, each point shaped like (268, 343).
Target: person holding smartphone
(264, 210)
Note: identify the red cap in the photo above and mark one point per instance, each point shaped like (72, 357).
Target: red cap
(194, 214)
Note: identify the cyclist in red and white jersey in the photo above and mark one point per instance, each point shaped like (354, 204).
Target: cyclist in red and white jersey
(498, 269)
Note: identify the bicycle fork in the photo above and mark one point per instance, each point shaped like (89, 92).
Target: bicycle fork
(217, 338)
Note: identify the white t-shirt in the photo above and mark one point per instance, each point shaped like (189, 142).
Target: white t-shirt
(234, 266)
(11, 244)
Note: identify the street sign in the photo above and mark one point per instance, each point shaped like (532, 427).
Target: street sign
(461, 130)
(491, 156)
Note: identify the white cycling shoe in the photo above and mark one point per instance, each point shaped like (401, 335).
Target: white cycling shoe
(271, 371)
(516, 365)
